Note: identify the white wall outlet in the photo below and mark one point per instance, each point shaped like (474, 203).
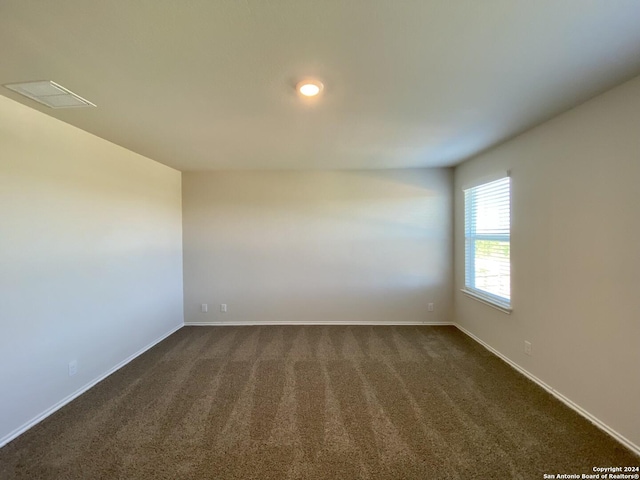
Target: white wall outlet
(73, 367)
(430, 307)
(205, 308)
(223, 307)
(527, 347)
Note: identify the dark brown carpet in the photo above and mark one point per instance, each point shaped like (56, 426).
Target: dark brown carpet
(312, 402)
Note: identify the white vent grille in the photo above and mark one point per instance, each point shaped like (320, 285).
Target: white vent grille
(50, 94)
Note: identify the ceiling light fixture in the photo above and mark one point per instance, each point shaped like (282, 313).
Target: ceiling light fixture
(50, 94)
(309, 88)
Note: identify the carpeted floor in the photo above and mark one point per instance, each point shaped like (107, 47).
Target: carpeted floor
(313, 402)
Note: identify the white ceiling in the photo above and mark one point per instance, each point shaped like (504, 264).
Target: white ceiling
(208, 84)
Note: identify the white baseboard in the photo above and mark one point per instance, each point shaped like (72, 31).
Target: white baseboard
(38, 418)
(567, 401)
(243, 324)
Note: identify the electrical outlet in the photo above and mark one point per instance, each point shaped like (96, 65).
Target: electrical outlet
(527, 347)
(73, 367)
(223, 307)
(430, 307)
(205, 308)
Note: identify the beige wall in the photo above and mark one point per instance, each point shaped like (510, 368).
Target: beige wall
(357, 246)
(90, 259)
(575, 256)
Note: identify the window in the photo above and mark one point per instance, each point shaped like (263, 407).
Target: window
(487, 231)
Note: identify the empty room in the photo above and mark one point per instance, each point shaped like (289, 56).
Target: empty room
(341, 239)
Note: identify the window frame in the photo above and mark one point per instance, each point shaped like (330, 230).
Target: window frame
(470, 238)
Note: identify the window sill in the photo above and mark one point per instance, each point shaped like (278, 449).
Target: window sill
(486, 301)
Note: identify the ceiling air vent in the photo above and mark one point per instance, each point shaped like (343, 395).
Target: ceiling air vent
(50, 94)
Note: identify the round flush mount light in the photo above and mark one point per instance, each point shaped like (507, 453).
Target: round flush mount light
(309, 88)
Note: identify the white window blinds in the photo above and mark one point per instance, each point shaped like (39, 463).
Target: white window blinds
(487, 225)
